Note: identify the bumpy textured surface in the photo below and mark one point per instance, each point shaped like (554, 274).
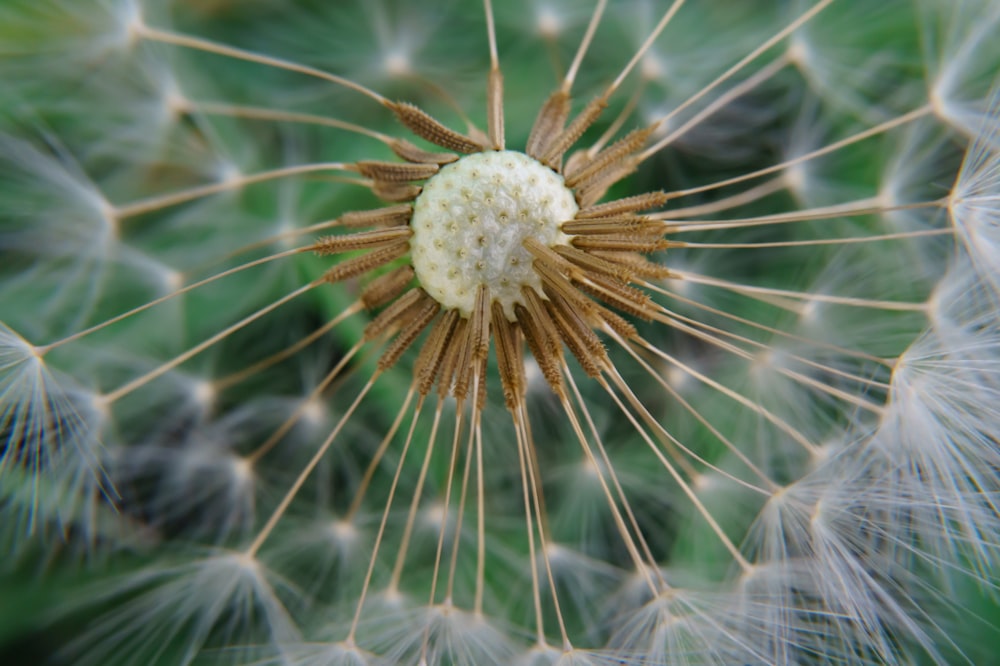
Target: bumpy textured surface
(471, 219)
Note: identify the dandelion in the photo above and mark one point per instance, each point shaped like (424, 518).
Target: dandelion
(646, 332)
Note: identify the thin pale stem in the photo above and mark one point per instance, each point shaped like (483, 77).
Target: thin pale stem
(897, 306)
(860, 207)
(494, 85)
(865, 206)
(294, 417)
(359, 494)
(385, 519)
(276, 238)
(881, 128)
(124, 390)
(626, 536)
(709, 335)
(207, 46)
(449, 481)
(769, 329)
(263, 113)
(530, 527)
(847, 240)
(780, 423)
(555, 57)
(733, 93)
(294, 490)
(751, 195)
(240, 375)
(43, 349)
(411, 516)
(463, 498)
(646, 45)
(480, 522)
(491, 34)
(679, 480)
(191, 194)
(528, 456)
(674, 319)
(675, 395)
(746, 60)
(588, 37)
(637, 405)
(618, 122)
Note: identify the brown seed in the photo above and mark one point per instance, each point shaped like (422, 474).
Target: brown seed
(638, 264)
(412, 153)
(426, 127)
(386, 287)
(365, 240)
(366, 262)
(615, 225)
(421, 316)
(619, 295)
(590, 262)
(537, 332)
(577, 336)
(389, 216)
(570, 135)
(594, 189)
(394, 314)
(535, 305)
(475, 347)
(510, 359)
(631, 204)
(548, 124)
(395, 172)
(395, 191)
(621, 243)
(451, 356)
(428, 363)
(619, 150)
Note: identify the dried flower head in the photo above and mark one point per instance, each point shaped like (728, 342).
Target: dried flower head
(747, 351)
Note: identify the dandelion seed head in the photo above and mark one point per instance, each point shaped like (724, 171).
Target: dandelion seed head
(659, 114)
(653, 68)
(590, 469)
(344, 531)
(548, 23)
(130, 19)
(171, 279)
(810, 312)
(689, 386)
(204, 393)
(175, 103)
(798, 51)
(229, 172)
(704, 482)
(436, 517)
(677, 377)
(243, 470)
(314, 413)
(796, 179)
(397, 64)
